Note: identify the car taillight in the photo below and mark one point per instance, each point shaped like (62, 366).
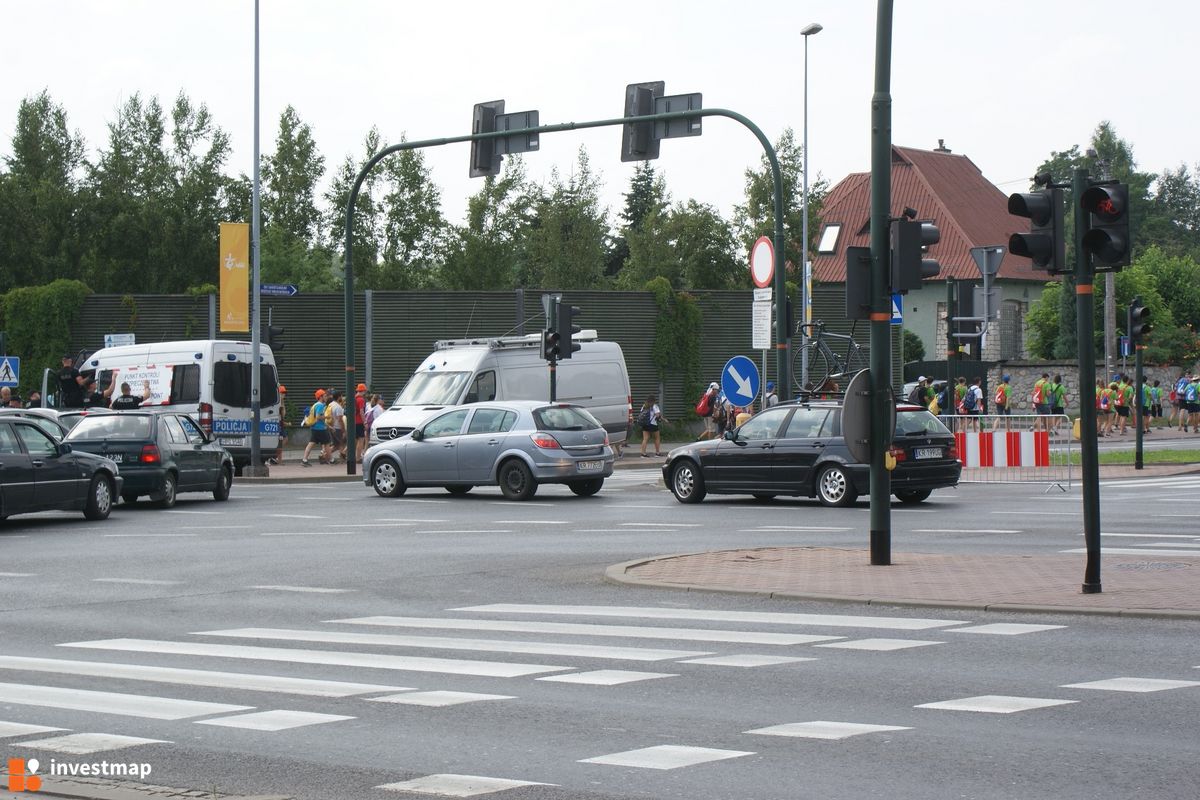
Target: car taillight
(206, 414)
(606, 439)
(545, 441)
(150, 454)
(897, 453)
(952, 452)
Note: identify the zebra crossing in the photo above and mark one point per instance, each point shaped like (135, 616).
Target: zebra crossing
(274, 704)
(1158, 532)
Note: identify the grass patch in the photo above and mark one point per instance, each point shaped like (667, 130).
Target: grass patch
(1148, 456)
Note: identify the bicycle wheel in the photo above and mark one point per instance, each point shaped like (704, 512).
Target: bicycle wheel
(819, 367)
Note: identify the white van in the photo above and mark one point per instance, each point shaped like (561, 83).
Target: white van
(209, 379)
(512, 368)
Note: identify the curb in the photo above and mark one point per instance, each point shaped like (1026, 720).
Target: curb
(618, 574)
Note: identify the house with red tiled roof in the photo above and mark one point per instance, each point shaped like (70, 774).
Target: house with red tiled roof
(950, 191)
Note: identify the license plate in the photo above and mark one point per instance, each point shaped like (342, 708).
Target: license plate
(117, 457)
(927, 452)
(229, 442)
(590, 466)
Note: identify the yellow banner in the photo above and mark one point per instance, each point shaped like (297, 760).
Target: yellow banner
(235, 277)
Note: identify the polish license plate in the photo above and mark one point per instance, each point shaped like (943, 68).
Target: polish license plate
(591, 466)
(230, 442)
(928, 452)
(117, 457)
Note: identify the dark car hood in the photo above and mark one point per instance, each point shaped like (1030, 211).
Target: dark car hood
(695, 449)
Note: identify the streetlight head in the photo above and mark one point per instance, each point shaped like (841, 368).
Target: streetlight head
(811, 28)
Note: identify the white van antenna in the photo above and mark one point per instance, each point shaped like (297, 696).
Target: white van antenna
(467, 332)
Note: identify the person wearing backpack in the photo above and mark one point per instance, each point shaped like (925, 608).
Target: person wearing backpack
(1057, 395)
(1181, 404)
(1123, 397)
(650, 419)
(972, 402)
(705, 408)
(1041, 401)
(917, 395)
(1003, 394)
(1191, 396)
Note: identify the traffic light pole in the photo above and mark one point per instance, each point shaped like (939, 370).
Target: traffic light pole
(782, 334)
(881, 311)
(1139, 406)
(1085, 303)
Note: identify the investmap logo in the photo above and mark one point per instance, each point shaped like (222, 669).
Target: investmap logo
(22, 775)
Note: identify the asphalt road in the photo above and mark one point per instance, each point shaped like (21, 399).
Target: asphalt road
(394, 640)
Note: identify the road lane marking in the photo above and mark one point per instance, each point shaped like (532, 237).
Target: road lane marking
(196, 677)
(665, 756)
(439, 699)
(447, 643)
(450, 785)
(530, 521)
(1132, 685)
(751, 617)
(143, 535)
(965, 530)
(1007, 628)
(592, 629)
(508, 503)
(295, 516)
(446, 666)
(1148, 535)
(129, 705)
(137, 581)
(822, 729)
(606, 677)
(996, 704)
(214, 527)
(9, 729)
(881, 645)
(18, 574)
(182, 511)
(276, 720)
(315, 589)
(746, 660)
(311, 533)
(82, 744)
(481, 530)
(662, 524)
(1130, 551)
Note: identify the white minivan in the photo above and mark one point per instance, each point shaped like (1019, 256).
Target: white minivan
(512, 368)
(208, 378)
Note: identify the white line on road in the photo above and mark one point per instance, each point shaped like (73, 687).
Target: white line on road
(137, 581)
(296, 516)
(1129, 551)
(315, 589)
(142, 535)
(530, 521)
(276, 720)
(195, 677)
(214, 527)
(508, 503)
(82, 744)
(381, 524)
(591, 629)
(663, 524)
(181, 511)
(965, 530)
(796, 528)
(1037, 512)
(129, 705)
(18, 574)
(446, 666)
(311, 533)
(665, 756)
(768, 617)
(606, 677)
(488, 530)
(1148, 535)
(450, 643)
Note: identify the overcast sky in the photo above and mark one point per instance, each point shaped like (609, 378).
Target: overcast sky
(1004, 83)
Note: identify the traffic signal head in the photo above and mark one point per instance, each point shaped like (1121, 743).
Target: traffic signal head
(550, 344)
(1138, 326)
(485, 160)
(1108, 238)
(638, 142)
(909, 242)
(273, 336)
(1045, 244)
(566, 328)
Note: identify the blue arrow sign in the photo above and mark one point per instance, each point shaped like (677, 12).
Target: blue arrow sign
(10, 371)
(739, 381)
(278, 289)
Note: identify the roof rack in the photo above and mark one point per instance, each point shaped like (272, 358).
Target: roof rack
(508, 342)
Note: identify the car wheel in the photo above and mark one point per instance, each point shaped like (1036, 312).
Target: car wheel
(913, 496)
(129, 497)
(516, 481)
(834, 487)
(764, 496)
(459, 490)
(99, 499)
(385, 477)
(686, 482)
(224, 484)
(586, 488)
(166, 498)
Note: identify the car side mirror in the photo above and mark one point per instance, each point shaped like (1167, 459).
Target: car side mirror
(417, 435)
(63, 448)
(731, 435)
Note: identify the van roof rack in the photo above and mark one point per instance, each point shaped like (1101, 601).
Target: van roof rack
(507, 342)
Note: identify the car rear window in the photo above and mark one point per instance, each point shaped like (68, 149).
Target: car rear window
(910, 423)
(564, 418)
(111, 426)
(231, 384)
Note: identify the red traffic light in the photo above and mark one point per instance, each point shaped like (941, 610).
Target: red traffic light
(1108, 238)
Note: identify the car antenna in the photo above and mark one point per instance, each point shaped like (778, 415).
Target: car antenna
(467, 332)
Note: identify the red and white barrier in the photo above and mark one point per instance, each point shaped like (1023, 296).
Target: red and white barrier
(1003, 448)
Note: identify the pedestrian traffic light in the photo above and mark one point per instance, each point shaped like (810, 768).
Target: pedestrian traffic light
(566, 328)
(910, 242)
(550, 344)
(1138, 326)
(1045, 244)
(1108, 237)
(485, 159)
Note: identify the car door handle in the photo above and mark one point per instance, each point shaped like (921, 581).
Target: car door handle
(767, 446)
(818, 445)
(448, 444)
(38, 463)
(493, 441)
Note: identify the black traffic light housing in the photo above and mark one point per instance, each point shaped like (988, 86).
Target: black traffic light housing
(485, 158)
(910, 239)
(1138, 325)
(550, 344)
(565, 328)
(858, 283)
(1107, 239)
(1045, 244)
(638, 142)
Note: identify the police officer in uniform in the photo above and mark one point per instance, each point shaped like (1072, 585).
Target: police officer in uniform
(70, 389)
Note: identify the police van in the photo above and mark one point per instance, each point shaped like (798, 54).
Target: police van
(209, 379)
(512, 368)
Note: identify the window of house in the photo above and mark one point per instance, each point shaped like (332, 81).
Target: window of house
(829, 238)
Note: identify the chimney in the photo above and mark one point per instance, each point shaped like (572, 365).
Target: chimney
(941, 148)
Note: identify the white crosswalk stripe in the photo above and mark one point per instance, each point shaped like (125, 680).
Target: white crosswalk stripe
(131, 705)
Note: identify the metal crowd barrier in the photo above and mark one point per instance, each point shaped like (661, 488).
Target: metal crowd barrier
(1014, 448)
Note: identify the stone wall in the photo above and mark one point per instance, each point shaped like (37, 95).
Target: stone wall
(1024, 374)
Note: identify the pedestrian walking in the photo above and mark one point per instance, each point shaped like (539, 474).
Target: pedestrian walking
(1003, 396)
(374, 409)
(1179, 402)
(1191, 396)
(1058, 401)
(1041, 400)
(1124, 397)
(771, 398)
(706, 407)
(1156, 400)
(315, 422)
(335, 420)
(650, 420)
(360, 422)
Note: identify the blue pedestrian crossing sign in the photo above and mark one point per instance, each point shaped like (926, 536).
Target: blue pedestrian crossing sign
(739, 381)
(897, 309)
(10, 371)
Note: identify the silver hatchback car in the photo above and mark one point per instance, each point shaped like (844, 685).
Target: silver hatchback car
(516, 445)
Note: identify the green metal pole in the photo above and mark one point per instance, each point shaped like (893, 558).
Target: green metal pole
(1139, 413)
(1085, 302)
(881, 317)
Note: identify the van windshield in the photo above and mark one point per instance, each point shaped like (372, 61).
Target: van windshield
(432, 389)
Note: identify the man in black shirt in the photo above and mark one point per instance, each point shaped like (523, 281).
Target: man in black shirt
(127, 402)
(70, 390)
(92, 398)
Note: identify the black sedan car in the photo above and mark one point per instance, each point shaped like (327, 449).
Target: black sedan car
(161, 453)
(797, 449)
(38, 473)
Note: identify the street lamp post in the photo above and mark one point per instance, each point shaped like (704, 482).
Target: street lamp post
(806, 285)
